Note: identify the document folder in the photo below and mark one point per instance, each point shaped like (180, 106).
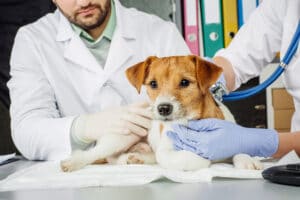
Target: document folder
(212, 28)
(191, 28)
(230, 20)
(245, 8)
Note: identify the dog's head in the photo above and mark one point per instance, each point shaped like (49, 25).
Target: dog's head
(178, 86)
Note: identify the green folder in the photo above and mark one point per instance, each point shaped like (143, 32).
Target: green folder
(212, 26)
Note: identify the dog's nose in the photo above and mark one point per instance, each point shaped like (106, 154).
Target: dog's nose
(165, 109)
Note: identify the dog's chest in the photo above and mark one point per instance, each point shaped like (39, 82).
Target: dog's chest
(157, 136)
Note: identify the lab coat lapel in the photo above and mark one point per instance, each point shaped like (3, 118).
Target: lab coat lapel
(78, 53)
(121, 46)
(120, 53)
(75, 50)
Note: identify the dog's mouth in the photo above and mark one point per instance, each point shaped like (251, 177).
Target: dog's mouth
(164, 118)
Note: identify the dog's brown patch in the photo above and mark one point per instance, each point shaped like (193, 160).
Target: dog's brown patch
(140, 147)
(133, 159)
(99, 162)
(161, 128)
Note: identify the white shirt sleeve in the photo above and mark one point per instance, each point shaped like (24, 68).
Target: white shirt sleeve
(257, 42)
(38, 130)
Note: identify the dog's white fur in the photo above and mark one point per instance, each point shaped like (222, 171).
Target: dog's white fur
(129, 149)
(112, 147)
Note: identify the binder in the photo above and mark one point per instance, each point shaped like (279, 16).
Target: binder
(245, 8)
(230, 20)
(201, 43)
(212, 27)
(191, 33)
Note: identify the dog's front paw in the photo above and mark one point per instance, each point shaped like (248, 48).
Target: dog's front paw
(244, 161)
(75, 162)
(68, 165)
(130, 158)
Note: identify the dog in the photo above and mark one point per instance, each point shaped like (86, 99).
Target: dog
(178, 89)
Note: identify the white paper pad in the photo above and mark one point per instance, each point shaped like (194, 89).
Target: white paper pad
(48, 175)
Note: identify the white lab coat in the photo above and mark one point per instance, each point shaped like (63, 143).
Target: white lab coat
(269, 30)
(54, 77)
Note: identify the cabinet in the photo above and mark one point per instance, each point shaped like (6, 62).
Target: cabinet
(250, 112)
(280, 106)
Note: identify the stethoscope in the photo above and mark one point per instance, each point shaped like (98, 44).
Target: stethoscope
(282, 66)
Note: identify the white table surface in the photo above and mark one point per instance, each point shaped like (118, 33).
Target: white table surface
(217, 189)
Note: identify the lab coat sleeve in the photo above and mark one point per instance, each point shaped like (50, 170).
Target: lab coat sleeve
(257, 42)
(38, 130)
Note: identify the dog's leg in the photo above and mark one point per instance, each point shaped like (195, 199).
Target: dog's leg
(107, 146)
(140, 147)
(136, 158)
(244, 161)
(181, 160)
(140, 153)
(168, 158)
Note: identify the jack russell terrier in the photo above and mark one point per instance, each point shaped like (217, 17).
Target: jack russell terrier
(178, 88)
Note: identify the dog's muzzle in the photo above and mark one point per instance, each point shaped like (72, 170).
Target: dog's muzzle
(165, 109)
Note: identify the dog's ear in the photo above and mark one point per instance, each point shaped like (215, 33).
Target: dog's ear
(137, 73)
(207, 73)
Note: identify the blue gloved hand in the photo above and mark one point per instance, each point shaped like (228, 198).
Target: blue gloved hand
(216, 139)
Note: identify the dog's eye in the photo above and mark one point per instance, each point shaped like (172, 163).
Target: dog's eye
(153, 84)
(184, 83)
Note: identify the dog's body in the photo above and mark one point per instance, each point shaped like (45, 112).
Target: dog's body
(178, 88)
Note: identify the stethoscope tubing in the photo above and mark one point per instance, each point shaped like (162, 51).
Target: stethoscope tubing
(238, 95)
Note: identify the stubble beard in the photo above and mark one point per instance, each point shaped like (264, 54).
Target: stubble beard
(89, 22)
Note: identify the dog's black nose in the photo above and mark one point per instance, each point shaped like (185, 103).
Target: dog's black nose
(165, 109)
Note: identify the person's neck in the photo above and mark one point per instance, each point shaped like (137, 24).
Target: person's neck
(96, 32)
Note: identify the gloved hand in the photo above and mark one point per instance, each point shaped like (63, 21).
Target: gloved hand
(131, 119)
(216, 139)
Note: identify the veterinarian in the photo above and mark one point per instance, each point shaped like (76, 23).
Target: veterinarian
(68, 84)
(269, 30)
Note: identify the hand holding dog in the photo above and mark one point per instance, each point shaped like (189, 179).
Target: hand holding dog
(216, 139)
(131, 119)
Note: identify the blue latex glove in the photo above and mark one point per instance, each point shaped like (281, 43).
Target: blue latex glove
(216, 139)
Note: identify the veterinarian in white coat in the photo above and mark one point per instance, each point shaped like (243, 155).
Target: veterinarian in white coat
(269, 30)
(55, 77)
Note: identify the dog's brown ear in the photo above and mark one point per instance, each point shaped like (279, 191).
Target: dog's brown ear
(207, 73)
(137, 73)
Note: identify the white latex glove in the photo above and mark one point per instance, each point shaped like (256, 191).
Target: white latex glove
(131, 119)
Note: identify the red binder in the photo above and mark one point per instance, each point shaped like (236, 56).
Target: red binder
(191, 25)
